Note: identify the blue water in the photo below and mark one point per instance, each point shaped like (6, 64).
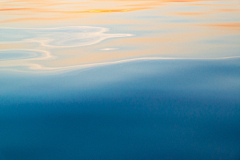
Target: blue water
(16, 55)
(143, 110)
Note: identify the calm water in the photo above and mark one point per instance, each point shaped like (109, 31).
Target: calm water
(104, 80)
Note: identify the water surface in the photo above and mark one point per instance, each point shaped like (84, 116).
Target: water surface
(135, 79)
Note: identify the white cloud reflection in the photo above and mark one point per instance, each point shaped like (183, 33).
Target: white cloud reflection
(72, 36)
(47, 39)
(56, 39)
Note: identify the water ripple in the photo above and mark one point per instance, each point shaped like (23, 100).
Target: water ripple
(72, 36)
(17, 54)
(47, 39)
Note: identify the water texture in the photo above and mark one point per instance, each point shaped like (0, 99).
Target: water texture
(99, 79)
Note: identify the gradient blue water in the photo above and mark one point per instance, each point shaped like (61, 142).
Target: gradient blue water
(120, 80)
(145, 109)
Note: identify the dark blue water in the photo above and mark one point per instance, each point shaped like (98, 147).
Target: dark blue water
(143, 110)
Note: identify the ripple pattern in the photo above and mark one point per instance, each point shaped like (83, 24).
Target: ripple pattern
(47, 39)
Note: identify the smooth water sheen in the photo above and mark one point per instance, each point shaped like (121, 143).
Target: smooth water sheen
(120, 79)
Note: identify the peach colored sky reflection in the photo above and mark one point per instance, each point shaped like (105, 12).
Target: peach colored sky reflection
(163, 28)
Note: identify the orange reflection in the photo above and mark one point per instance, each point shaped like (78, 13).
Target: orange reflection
(225, 25)
(15, 9)
(27, 10)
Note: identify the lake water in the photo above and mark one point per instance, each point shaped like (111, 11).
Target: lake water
(136, 79)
